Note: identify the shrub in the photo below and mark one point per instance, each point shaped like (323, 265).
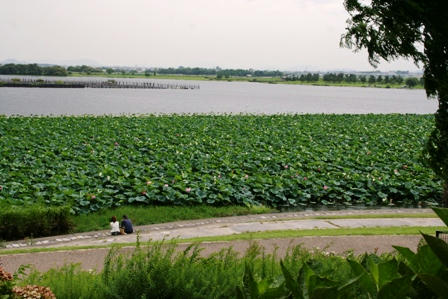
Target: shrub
(34, 221)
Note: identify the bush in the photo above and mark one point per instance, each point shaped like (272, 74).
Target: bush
(34, 221)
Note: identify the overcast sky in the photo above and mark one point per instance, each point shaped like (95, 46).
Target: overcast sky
(260, 34)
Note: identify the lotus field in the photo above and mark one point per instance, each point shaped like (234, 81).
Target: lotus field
(282, 161)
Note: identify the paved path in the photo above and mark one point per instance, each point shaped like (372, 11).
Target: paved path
(93, 258)
(235, 225)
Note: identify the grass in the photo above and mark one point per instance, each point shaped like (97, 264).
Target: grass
(279, 234)
(142, 215)
(361, 216)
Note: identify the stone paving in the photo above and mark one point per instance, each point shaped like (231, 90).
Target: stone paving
(235, 225)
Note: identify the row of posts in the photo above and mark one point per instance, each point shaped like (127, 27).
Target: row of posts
(26, 82)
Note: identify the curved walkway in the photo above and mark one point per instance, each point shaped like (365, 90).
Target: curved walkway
(235, 225)
(93, 258)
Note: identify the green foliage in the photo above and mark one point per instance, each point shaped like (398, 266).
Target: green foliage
(68, 282)
(417, 30)
(87, 69)
(411, 82)
(32, 69)
(92, 163)
(164, 271)
(443, 214)
(34, 221)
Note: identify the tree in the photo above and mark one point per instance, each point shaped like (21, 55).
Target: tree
(54, 71)
(417, 30)
(411, 82)
(379, 79)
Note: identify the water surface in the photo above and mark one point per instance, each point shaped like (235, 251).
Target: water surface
(213, 97)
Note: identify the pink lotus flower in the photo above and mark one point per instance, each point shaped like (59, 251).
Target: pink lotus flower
(166, 185)
(116, 143)
(286, 166)
(219, 176)
(305, 178)
(187, 190)
(92, 197)
(148, 182)
(143, 192)
(325, 187)
(246, 176)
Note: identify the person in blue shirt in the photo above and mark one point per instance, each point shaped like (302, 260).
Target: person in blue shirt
(126, 224)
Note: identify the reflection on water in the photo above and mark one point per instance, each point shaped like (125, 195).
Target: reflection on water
(214, 97)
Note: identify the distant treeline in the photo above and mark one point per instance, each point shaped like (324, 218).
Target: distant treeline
(352, 78)
(218, 72)
(32, 69)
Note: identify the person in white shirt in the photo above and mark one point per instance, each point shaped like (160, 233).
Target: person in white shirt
(114, 226)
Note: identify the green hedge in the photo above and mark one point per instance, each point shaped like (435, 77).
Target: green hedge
(34, 221)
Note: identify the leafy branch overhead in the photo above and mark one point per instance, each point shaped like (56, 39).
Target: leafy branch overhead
(416, 30)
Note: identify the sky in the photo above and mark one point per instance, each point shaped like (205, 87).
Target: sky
(259, 34)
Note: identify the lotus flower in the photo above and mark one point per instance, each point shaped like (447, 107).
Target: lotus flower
(187, 190)
(166, 185)
(325, 187)
(148, 182)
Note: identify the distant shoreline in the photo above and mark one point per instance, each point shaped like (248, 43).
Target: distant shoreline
(269, 80)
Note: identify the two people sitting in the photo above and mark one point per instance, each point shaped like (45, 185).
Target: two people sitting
(124, 228)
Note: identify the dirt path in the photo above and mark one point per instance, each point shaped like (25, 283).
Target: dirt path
(93, 258)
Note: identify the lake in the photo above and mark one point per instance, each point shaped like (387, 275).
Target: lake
(213, 97)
